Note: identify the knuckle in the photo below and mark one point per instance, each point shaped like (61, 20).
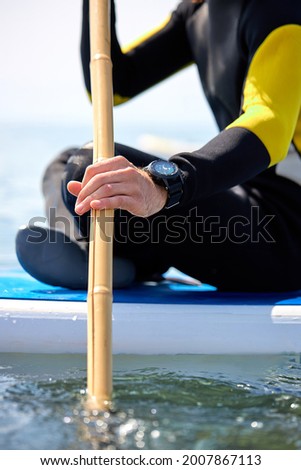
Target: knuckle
(90, 170)
(120, 159)
(123, 162)
(130, 172)
(107, 189)
(98, 178)
(119, 201)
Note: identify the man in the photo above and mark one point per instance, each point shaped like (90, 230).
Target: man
(222, 213)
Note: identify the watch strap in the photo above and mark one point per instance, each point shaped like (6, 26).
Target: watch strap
(174, 192)
(173, 185)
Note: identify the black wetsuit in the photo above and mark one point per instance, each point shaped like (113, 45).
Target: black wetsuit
(238, 224)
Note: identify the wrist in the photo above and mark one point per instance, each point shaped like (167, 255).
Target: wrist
(168, 176)
(163, 195)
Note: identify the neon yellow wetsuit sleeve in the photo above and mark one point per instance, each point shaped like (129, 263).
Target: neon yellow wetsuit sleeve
(272, 92)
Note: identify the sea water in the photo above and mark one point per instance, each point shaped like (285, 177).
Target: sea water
(159, 402)
(179, 402)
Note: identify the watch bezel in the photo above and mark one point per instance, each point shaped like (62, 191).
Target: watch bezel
(153, 169)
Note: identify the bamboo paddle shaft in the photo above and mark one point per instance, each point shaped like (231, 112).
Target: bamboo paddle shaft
(101, 233)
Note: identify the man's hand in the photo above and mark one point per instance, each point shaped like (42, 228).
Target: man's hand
(115, 183)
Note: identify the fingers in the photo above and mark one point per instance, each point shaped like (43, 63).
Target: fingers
(123, 202)
(117, 184)
(121, 182)
(103, 180)
(98, 175)
(99, 198)
(100, 180)
(105, 166)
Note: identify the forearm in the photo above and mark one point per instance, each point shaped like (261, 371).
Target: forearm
(231, 158)
(159, 54)
(260, 137)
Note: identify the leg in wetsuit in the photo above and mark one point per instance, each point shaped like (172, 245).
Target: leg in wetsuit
(235, 240)
(244, 237)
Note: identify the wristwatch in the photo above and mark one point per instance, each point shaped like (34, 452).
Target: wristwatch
(168, 175)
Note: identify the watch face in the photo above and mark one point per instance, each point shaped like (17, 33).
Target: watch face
(163, 168)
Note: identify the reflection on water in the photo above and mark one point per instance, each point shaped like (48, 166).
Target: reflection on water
(185, 402)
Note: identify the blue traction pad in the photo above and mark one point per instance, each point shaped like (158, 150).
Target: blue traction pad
(19, 285)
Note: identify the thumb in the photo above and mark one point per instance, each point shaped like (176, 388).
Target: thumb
(74, 187)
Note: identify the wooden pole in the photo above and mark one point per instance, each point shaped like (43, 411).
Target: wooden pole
(101, 233)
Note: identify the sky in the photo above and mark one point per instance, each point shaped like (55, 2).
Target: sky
(44, 107)
(41, 78)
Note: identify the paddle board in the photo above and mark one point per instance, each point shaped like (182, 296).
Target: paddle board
(149, 319)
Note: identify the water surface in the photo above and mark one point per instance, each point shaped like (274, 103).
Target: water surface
(179, 402)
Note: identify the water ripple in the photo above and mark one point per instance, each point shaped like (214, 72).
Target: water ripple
(155, 409)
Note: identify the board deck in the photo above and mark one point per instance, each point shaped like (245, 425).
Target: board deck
(167, 318)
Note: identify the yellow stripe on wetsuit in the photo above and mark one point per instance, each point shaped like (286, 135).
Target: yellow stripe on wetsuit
(272, 92)
(132, 45)
(297, 135)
